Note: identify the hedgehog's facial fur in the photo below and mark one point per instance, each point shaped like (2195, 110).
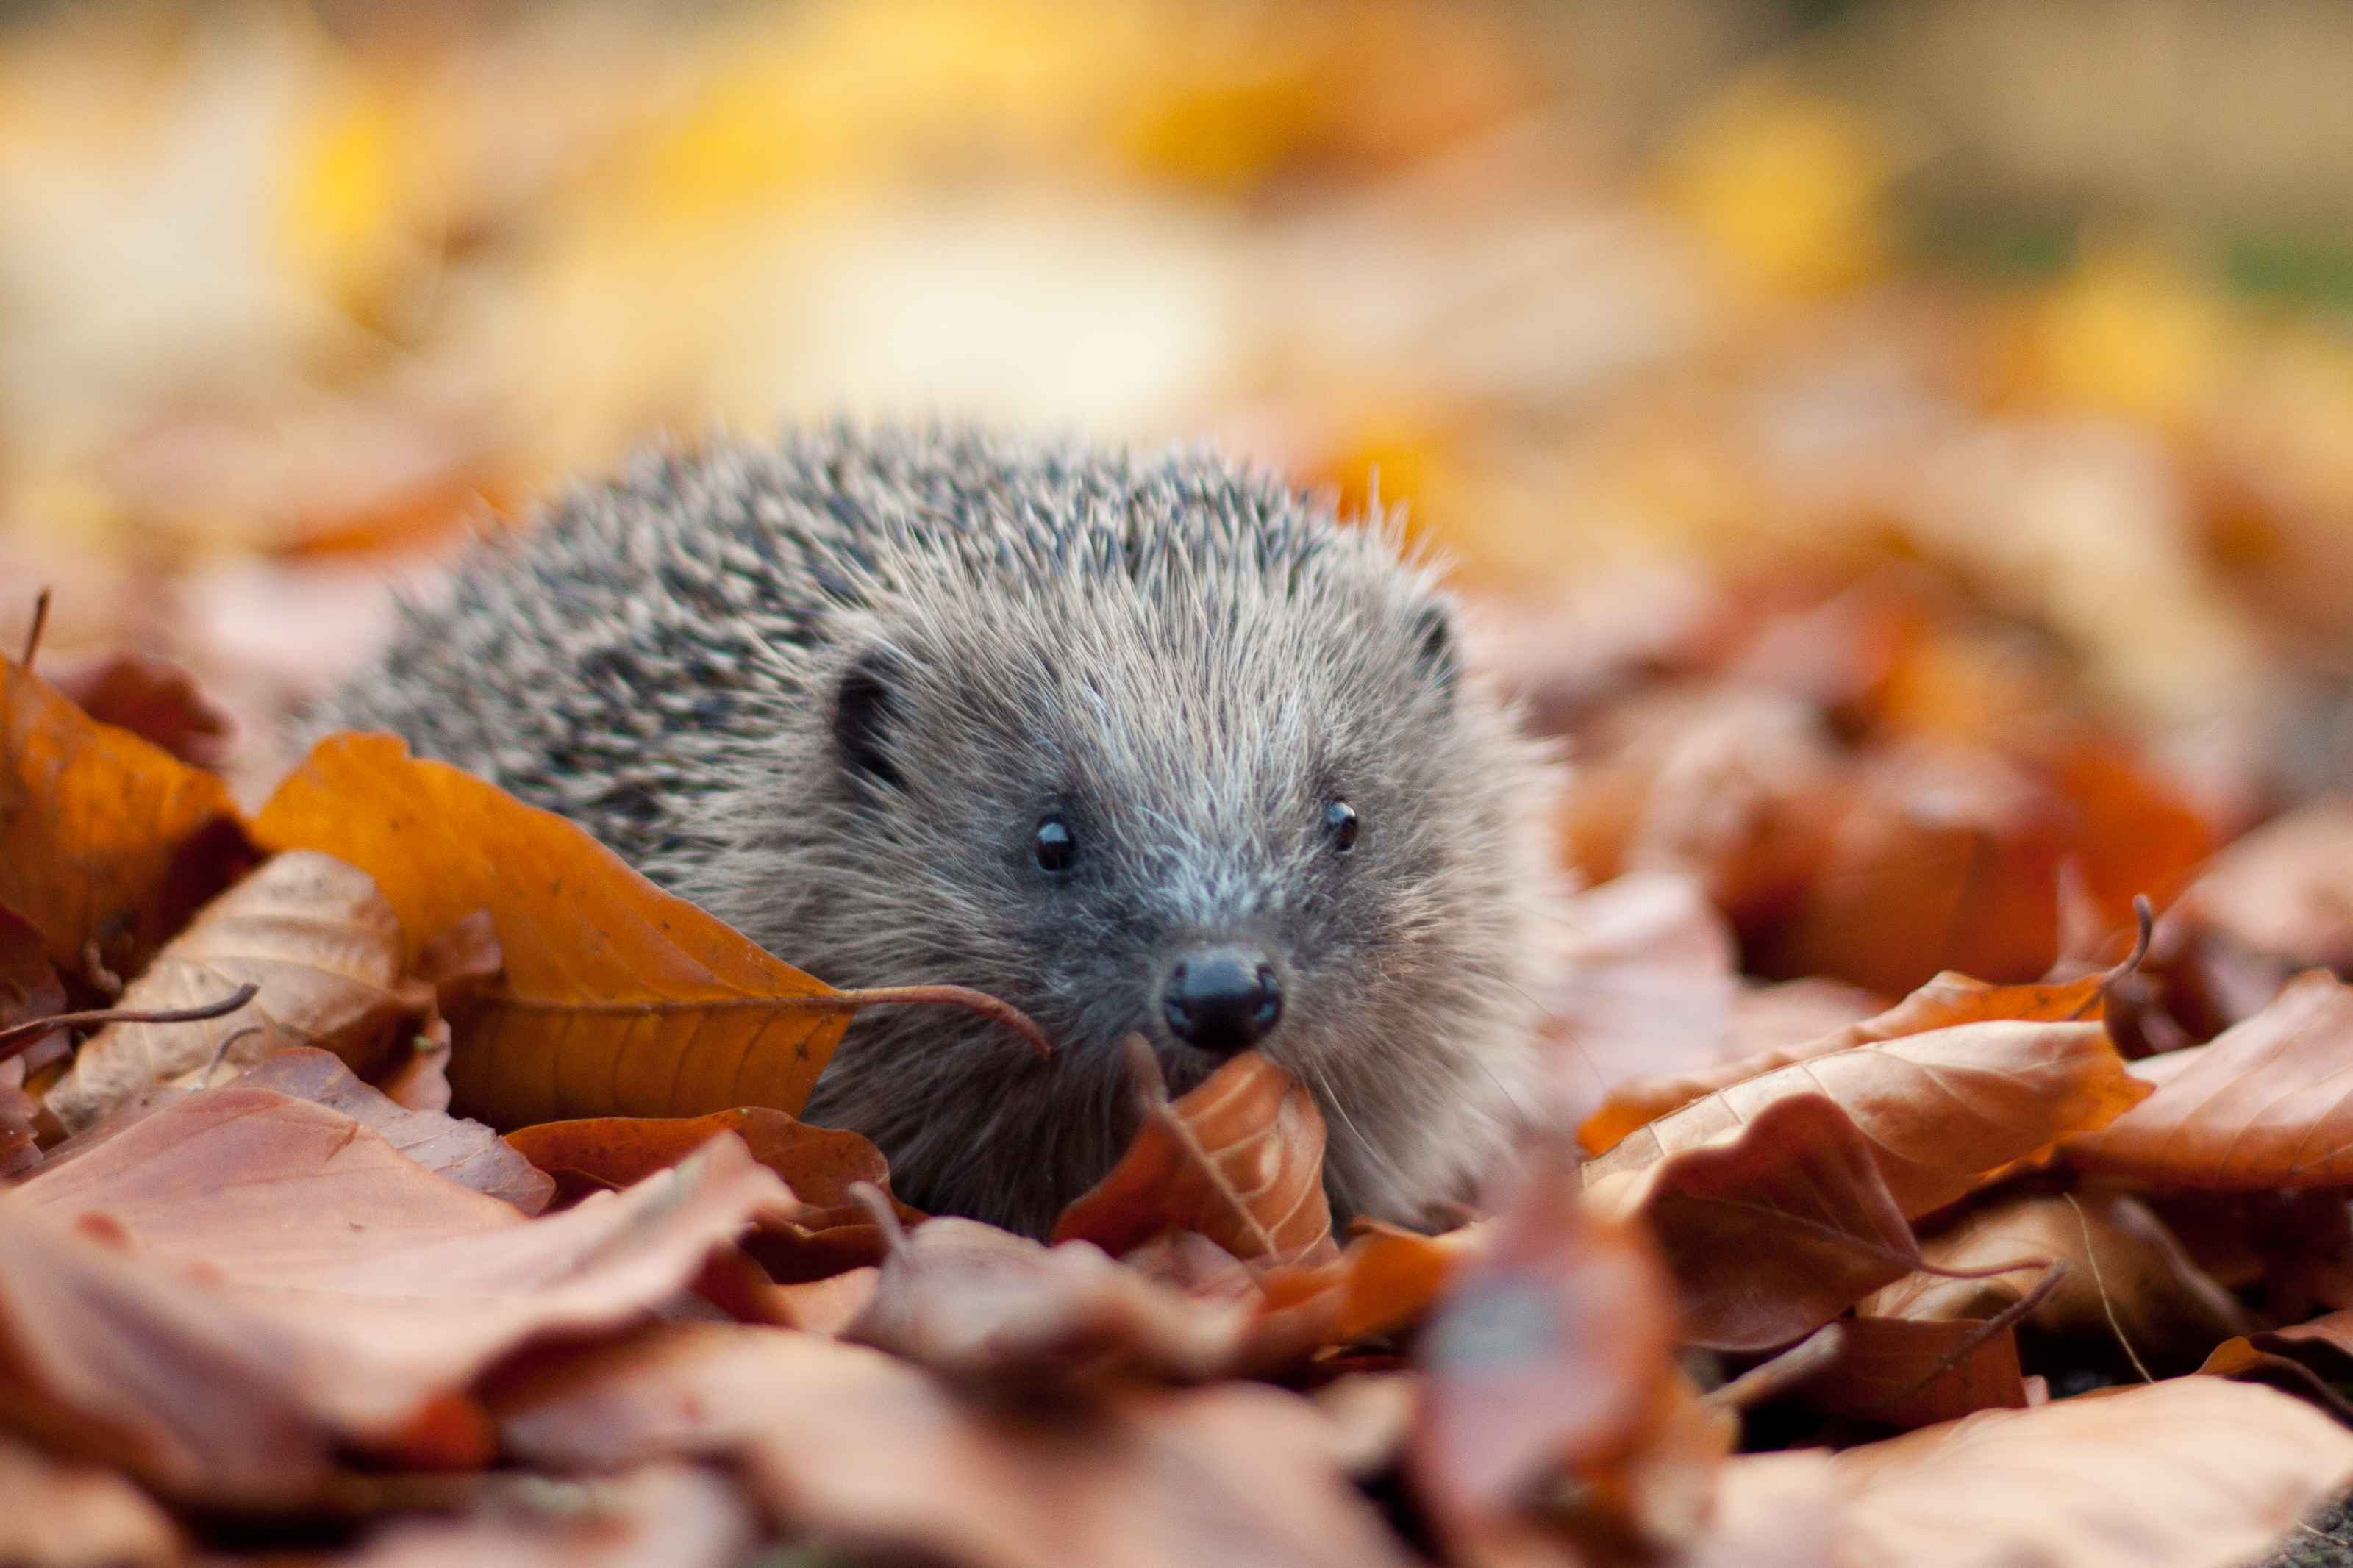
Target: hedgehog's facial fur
(1191, 727)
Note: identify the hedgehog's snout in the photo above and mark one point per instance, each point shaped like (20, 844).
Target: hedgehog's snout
(1222, 999)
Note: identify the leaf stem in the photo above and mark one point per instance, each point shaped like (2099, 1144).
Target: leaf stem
(18, 1037)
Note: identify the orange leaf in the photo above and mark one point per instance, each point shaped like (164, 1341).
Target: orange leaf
(1943, 1111)
(1772, 1227)
(2263, 1105)
(1239, 1159)
(818, 1162)
(619, 1000)
(103, 838)
(1949, 999)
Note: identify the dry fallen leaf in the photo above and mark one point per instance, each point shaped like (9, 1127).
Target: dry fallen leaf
(1239, 1159)
(237, 1284)
(1944, 1002)
(1646, 987)
(2261, 1105)
(2187, 1473)
(466, 1153)
(1771, 1227)
(658, 1516)
(618, 999)
(987, 1308)
(2129, 1284)
(846, 1443)
(1943, 1111)
(64, 1516)
(1916, 1372)
(103, 838)
(1550, 1356)
(155, 699)
(831, 1233)
(318, 939)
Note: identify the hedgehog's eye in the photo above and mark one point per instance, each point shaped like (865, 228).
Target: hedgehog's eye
(1057, 846)
(1340, 822)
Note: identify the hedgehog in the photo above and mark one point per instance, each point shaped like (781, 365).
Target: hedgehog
(1138, 742)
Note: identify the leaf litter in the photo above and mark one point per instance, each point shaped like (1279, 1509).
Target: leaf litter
(240, 1276)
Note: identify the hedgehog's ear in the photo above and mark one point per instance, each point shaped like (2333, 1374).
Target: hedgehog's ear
(863, 707)
(1433, 648)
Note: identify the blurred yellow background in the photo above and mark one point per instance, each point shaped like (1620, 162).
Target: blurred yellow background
(1632, 304)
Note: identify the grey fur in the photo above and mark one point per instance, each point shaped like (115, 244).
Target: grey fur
(1180, 655)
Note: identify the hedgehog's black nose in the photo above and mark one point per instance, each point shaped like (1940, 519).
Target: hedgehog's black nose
(1222, 999)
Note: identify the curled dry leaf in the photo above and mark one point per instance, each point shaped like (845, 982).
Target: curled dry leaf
(1551, 1357)
(987, 1309)
(103, 838)
(831, 1232)
(2127, 1279)
(2186, 1473)
(1239, 1159)
(54, 1515)
(1943, 1111)
(318, 939)
(153, 699)
(844, 1443)
(618, 999)
(1944, 1002)
(237, 1285)
(658, 1516)
(2263, 1105)
(1771, 1227)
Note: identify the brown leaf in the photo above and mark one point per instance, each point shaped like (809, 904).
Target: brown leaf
(155, 699)
(985, 1307)
(2263, 1105)
(466, 1153)
(618, 999)
(237, 1284)
(848, 1444)
(2186, 1473)
(1947, 1000)
(318, 939)
(820, 1163)
(2284, 890)
(1239, 1159)
(2127, 1277)
(1552, 1355)
(28, 990)
(96, 825)
(64, 1516)
(1646, 986)
(832, 1233)
(1943, 1111)
(29, 982)
(1771, 1227)
(658, 1516)
(2307, 1369)
(1912, 1372)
